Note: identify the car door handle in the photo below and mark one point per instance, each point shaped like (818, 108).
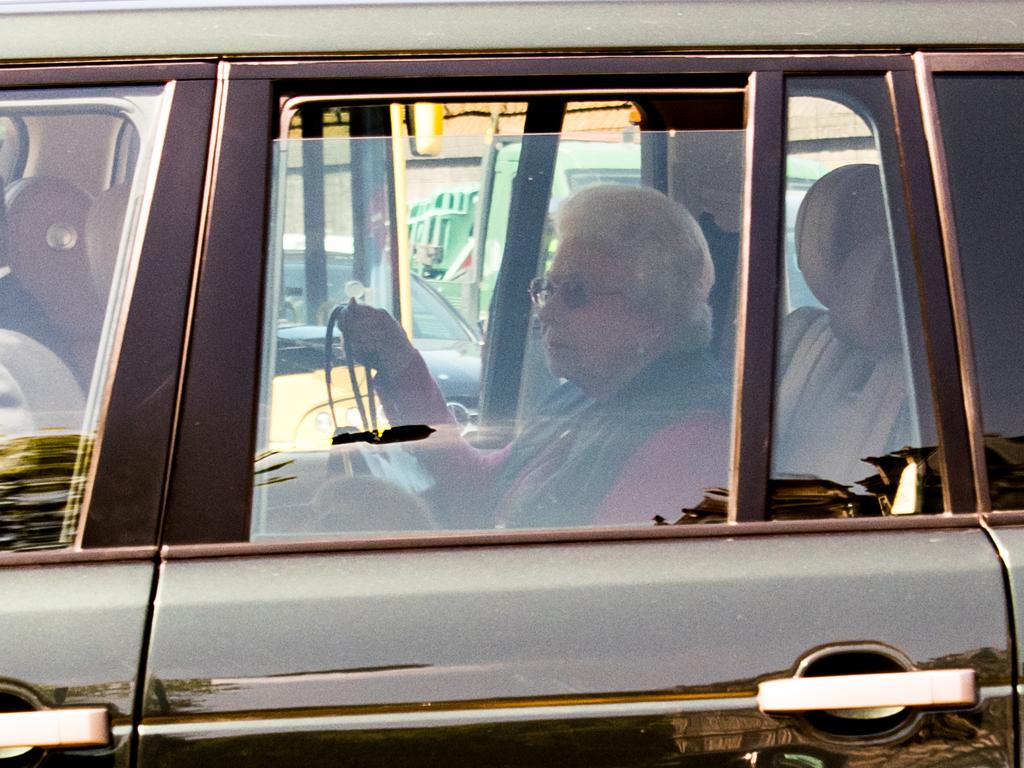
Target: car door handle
(933, 688)
(83, 727)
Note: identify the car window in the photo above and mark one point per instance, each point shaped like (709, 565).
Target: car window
(537, 300)
(66, 238)
(854, 431)
(980, 116)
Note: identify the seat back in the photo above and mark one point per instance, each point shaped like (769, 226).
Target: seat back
(843, 388)
(38, 392)
(46, 243)
(103, 227)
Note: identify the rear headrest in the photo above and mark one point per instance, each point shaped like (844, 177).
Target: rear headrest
(845, 253)
(46, 230)
(103, 228)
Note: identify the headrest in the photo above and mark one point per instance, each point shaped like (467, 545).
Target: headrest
(46, 231)
(845, 253)
(103, 227)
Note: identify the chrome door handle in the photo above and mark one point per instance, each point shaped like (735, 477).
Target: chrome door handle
(84, 727)
(937, 688)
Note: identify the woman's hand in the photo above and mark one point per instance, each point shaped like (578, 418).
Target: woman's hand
(376, 339)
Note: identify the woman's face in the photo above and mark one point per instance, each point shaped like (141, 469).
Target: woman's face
(592, 335)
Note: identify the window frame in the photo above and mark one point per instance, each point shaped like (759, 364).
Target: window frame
(213, 467)
(914, 269)
(121, 511)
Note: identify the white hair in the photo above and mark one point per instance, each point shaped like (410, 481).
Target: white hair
(662, 242)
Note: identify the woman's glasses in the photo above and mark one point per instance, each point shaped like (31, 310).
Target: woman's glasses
(573, 293)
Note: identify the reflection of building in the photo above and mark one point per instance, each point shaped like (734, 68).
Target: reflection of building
(468, 130)
(40, 479)
(832, 133)
(1005, 459)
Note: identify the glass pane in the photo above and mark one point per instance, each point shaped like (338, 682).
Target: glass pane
(981, 118)
(854, 434)
(423, 245)
(67, 232)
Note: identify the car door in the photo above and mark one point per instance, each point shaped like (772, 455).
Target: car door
(977, 153)
(102, 174)
(825, 598)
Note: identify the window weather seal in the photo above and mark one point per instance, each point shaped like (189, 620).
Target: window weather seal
(968, 381)
(757, 320)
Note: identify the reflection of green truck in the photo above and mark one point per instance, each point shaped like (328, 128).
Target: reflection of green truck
(443, 229)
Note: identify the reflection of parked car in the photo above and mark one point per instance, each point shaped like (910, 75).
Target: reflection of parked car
(450, 346)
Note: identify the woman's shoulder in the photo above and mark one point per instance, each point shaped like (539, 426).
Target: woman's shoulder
(671, 470)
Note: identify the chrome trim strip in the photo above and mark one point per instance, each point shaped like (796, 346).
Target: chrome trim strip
(43, 557)
(954, 274)
(741, 290)
(504, 538)
(227, 726)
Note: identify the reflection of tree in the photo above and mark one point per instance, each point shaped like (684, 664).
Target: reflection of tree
(1005, 459)
(264, 474)
(38, 474)
(165, 697)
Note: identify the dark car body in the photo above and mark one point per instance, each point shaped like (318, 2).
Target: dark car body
(179, 588)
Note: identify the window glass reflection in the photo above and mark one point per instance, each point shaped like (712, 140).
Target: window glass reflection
(546, 265)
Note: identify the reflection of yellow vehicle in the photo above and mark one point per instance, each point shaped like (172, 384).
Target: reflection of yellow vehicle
(301, 418)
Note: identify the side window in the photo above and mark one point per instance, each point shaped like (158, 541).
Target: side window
(854, 432)
(981, 119)
(66, 238)
(473, 324)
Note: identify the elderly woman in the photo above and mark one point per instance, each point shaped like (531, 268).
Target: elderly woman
(636, 428)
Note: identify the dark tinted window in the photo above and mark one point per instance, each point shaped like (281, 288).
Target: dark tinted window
(982, 117)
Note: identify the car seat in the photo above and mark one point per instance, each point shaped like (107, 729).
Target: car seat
(103, 227)
(41, 391)
(842, 395)
(46, 252)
